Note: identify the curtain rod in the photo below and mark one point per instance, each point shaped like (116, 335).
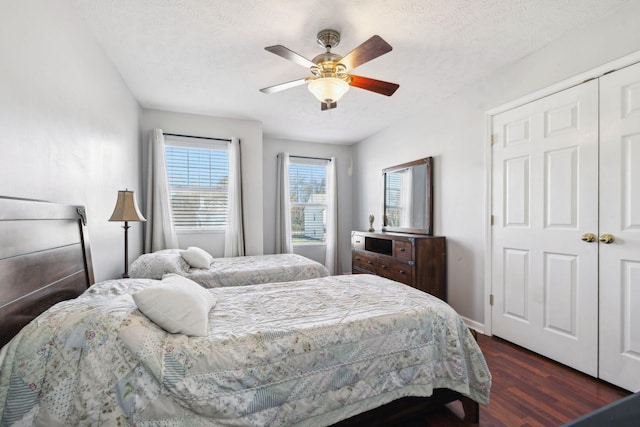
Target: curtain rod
(312, 158)
(197, 137)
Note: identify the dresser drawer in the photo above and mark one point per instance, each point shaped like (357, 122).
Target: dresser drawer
(364, 261)
(397, 271)
(402, 250)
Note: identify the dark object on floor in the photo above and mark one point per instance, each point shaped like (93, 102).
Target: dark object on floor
(622, 413)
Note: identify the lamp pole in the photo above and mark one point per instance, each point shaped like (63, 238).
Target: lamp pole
(126, 227)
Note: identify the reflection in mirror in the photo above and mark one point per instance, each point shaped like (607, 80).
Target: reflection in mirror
(408, 197)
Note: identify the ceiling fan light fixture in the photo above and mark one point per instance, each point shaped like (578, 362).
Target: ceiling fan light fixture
(328, 89)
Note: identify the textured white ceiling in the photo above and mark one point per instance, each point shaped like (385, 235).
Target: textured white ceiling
(208, 57)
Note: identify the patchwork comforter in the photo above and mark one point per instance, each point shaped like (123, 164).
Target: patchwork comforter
(233, 271)
(307, 353)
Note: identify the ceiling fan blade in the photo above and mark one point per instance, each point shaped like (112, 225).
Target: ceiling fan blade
(283, 86)
(290, 55)
(378, 86)
(367, 51)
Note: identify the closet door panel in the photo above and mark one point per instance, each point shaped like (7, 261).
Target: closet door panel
(545, 159)
(619, 276)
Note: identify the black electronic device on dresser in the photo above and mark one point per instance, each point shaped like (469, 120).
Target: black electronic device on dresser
(417, 260)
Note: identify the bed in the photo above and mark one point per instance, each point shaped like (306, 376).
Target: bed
(94, 358)
(232, 271)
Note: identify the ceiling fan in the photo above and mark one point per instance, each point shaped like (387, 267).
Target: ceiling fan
(330, 79)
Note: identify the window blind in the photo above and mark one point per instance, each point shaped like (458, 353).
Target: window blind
(198, 175)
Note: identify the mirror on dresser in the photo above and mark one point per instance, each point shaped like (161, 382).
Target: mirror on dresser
(408, 197)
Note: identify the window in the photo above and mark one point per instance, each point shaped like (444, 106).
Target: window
(308, 195)
(198, 175)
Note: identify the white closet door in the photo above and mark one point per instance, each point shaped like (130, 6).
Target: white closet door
(545, 196)
(620, 217)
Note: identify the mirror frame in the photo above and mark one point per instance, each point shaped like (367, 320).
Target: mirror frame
(428, 230)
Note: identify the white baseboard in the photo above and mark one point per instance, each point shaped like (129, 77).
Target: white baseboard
(474, 325)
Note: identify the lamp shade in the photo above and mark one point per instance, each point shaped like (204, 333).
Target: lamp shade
(328, 89)
(126, 208)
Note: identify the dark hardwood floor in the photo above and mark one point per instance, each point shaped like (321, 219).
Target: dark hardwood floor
(530, 390)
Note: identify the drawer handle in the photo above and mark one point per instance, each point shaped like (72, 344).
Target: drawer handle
(401, 249)
(369, 262)
(383, 266)
(358, 259)
(401, 271)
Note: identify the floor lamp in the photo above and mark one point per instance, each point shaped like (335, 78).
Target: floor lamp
(126, 210)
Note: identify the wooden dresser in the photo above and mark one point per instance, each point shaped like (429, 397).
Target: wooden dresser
(416, 260)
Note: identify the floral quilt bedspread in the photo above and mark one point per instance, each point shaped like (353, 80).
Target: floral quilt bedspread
(233, 271)
(238, 271)
(303, 353)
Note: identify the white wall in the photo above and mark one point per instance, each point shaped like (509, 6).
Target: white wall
(250, 134)
(70, 126)
(342, 153)
(453, 132)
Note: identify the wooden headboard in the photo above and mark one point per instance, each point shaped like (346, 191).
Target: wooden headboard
(45, 258)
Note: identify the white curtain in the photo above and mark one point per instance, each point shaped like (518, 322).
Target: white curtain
(332, 261)
(159, 232)
(234, 233)
(283, 207)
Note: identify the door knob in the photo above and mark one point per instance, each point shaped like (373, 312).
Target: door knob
(607, 238)
(589, 237)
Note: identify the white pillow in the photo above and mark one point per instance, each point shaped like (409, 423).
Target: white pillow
(177, 304)
(196, 257)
